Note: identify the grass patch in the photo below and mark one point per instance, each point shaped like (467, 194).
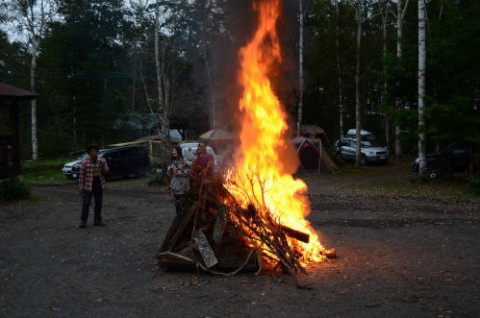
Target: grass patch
(396, 178)
(45, 164)
(55, 176)
(474, 184)
(432, 189)
(44, 170)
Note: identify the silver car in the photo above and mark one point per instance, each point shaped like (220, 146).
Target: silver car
(71, 169)
(371, 152)
(67, 168)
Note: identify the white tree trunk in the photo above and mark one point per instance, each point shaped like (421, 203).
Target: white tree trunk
(213, 110)
(33, 16)
(384, 12)
(421, 86)
(166, 81)
(401, 11)
(33, 68)
(300, 69)
(398, 146)
(339, 75)
(358, 122)
(159, 65)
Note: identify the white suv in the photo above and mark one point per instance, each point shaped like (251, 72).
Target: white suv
(371, 152)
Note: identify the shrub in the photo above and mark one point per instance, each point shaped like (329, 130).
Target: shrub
(13, 189)
(158, 174)
(474, 184)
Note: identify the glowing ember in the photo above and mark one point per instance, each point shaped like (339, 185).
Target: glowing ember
(262, 175)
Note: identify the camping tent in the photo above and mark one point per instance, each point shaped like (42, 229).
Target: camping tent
(312, 155)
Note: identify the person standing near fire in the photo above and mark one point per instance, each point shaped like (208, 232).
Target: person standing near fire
(92, 183)
(203, 165)
(178, 172)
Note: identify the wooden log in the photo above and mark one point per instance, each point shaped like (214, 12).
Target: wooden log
(205, 249)
(301, 236)
(170, 258)
(180, 230)
(220, 224)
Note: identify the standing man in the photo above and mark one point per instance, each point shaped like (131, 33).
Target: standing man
(92, 183)
(203, 165)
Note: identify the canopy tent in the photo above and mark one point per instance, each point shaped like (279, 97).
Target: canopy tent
(221, 140)
(312, 155)
(216, 135)
(313, 131)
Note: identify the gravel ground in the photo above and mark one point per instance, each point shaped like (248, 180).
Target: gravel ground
(398, 256)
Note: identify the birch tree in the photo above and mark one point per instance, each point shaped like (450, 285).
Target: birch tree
(31, 17)
(384, 7)
(421, 86)
(162, 81)
(300, 68)
(400, 15)
(358, 121)
(339, 74)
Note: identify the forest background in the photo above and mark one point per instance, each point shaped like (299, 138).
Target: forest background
(111, 70)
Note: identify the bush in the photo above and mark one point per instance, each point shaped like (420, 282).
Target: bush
(474, 184)
(13, 189)
(158, 174)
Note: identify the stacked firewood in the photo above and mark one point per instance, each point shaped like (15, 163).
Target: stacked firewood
(214, 233)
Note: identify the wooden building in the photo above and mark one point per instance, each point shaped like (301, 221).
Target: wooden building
(10, 98)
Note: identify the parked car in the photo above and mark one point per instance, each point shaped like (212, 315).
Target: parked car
(364, 135)
(371, 152)
(122, 161)
(67, 168)
(454, 158)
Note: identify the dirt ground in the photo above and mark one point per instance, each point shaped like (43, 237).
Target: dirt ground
(398, 256)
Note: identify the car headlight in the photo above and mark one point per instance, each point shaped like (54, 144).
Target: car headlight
(371, 153)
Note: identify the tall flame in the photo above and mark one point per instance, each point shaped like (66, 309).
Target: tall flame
(262, 174)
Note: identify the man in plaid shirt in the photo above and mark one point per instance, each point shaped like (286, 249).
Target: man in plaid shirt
(92, 183)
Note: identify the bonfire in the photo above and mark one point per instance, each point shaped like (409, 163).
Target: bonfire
(254, 216)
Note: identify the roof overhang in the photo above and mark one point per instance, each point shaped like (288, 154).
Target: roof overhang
(8, 92)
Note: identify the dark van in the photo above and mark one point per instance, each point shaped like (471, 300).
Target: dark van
(455, 158)
(122, 161)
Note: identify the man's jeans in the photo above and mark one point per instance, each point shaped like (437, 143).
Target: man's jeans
(97, 192)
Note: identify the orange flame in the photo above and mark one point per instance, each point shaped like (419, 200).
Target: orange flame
(262, 175)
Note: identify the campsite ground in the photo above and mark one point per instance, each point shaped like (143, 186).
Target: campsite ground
(404, 250)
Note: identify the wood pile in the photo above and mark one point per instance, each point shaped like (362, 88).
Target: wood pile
(215, 234)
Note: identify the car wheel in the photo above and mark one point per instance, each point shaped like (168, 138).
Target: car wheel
(363, 160)
(433, 174)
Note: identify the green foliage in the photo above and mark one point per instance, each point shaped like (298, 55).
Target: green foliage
(81, 75)
(158, 176)
(474, 184)
(45, 176)
(44, 164)
(97, 63)
(13, 189)
(45, 170)
(13, 62)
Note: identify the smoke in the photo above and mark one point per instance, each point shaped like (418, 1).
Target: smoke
(226, 27)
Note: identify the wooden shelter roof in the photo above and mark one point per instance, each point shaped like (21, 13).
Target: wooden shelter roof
(12, 92)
